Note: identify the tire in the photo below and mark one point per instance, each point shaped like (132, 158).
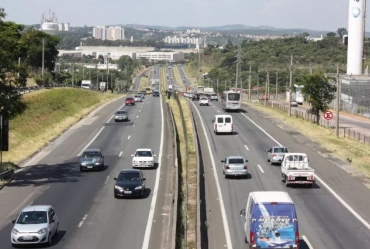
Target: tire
(115, 196)
(282, 177)
(286, 182)
(268, 160)
(226, 176)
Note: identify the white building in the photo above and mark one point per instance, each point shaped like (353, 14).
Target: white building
(183, 40)
(99, 32)
(67, 26)
(115, 33)
(60, 26)
(161, 56)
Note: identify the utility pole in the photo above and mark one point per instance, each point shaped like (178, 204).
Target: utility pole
(238, 62)
(266, 87)
(83, 72)
(290, 86)
(277, 83)
(337, 105)
(97, 77)
(250, 81)
(218, 90)
(258, 85)
(73, 74)
(268, 84)
(43, 60)
(225, 85)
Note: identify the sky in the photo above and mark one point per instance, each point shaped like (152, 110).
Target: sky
(320, 15)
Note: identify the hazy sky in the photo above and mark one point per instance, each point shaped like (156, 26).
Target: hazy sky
(323, 15)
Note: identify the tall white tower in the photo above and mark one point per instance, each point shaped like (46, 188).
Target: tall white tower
(356, 30)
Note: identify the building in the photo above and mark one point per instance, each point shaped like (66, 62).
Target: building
(115, 33)
(99, 32)
(162, 56)
(184, 40)
(67, 26)
(61, 26)
(49, 23)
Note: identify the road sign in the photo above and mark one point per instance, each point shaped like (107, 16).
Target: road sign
(328, 115)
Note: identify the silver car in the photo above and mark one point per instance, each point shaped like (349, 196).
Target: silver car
(276, 153)
(35, 225)
(138, 98)
(121, 115)
(235, 166)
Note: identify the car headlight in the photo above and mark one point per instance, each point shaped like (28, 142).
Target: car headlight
(41, 231)
(97, 163)
(134, 161)
(139, 187)
(83, 164)
(118, 187)
(15, 231)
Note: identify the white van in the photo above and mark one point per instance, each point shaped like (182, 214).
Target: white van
(270, 220)
(223, 124)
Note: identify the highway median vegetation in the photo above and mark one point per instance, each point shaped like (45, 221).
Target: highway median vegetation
(144, 81)
(178, 79)
(187, 161)
(49, 113)
(354, 154)
(162, 74)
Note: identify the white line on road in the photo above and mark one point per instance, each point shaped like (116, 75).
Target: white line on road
(259, 166)
(345, 204)
(106, 180)
(137, 116)
(139, 110)
(221, 201)
(92, 140)
(133, 125)
(246, 147)
(148, 228)
(120, 154)
(307, 242)
(129, 137)
(82, 221)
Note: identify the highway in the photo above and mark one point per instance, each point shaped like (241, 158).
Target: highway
(90, 216)
(324, 220)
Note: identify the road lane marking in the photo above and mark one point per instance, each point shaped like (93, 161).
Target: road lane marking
(129, 137)
(221, 201)
(307, 242)
(259, 166)
(82, 221)
(137, 116)
(345, 204)
(91, 141)
(148, 228)
(106, 180)
(139, 110)
(120, 154)
(246, 147)
(133, 125)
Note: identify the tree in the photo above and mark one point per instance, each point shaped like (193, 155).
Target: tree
(331, 34)
(319, 93)
(341, 32)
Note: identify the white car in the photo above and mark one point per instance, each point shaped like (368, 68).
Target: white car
(143, 158)
(214, 97)
(203, 101)
(293, 103)
(35, 225)
(138, 98)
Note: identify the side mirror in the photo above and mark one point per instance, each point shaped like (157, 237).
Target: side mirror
(13, 221)
(222, 161)
(213, 120)
(144, 179)
(115, 178)
(242, 212)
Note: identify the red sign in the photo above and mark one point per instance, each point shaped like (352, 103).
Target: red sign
(328, 115)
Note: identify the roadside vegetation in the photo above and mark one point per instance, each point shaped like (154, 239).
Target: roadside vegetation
(144, 81)
(177, 77)
(49, 113)
(187, 166)
(162, 74)
(342, 148)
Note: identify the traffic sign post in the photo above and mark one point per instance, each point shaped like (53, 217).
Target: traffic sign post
(328, 115)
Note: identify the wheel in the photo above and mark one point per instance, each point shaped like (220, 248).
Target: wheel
(57, 231)
(14, 245)
(268, 160)
(282, 177)
(226, 176)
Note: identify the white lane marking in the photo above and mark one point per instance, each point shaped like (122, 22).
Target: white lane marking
(345, 204)
(223, 212)
(97, 134)
(82, 221)
(106, 180)
(307, 242)
(133, 125)
(129, 137)
(139, 110)
(137, 116)
(246, 147)
(148, 228)
(218, 110)
(91, 141)
(120, 154)
(259, 166)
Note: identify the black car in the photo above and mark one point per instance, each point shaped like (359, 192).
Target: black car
(130, 182)
(92, 159)
(155, 94)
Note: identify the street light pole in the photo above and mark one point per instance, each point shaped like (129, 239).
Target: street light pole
(337, 105)
(250, 81)
(43, 59)
(290, 86)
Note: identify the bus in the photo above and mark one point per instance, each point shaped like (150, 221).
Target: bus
(231, 101)
(200, 89)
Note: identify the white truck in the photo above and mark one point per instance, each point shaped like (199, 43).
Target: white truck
(170, 88)
(86, 84)
(102, 86)
(296, 170)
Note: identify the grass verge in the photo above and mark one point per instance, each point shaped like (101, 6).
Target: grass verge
(49, 114)
(341, 148)
(162, 78)
(177, 77)
(144, 81)
(188, 169)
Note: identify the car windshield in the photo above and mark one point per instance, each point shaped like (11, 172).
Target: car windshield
(121, 112)
(236, 161)
(32, 217)
(281, 150)
(129, 177)
(146, 153)
(137, 96)
(129, 99)
(90, 154)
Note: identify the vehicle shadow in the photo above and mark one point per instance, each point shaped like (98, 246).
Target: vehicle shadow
(249, 176)
(146, 195)
(55, 241)
(304, 186)
(98, 170)
(120, 123)
(243, 111)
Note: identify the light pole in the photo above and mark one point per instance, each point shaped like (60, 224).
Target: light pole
(43, 60)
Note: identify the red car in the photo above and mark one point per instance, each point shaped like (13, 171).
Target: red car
(129, 101)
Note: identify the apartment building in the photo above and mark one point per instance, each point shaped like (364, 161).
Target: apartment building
(110, 33)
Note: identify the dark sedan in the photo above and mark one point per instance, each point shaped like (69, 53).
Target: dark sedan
(129, 101)
(92, 159)
(130, 182)
(155, 93)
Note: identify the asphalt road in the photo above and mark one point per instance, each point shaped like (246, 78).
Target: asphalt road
(323, 220)
(90, 216)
